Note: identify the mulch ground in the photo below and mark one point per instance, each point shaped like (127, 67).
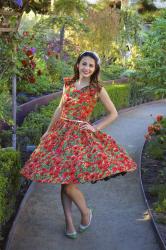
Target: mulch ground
(151, 174)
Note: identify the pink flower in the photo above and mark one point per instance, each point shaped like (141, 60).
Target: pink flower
(159, 118)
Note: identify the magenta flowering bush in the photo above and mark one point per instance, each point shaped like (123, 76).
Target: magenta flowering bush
(19, 56)
(26, 59)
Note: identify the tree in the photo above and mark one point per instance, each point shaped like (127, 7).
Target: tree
(150, 65)
(103, 28)
(67, 11)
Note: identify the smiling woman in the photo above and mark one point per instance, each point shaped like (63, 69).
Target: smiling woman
(73, 151)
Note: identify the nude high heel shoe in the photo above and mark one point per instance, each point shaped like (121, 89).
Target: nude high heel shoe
(72, 235)
(83, 228)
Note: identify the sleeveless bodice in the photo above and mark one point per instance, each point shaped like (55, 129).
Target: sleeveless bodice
(79, 104)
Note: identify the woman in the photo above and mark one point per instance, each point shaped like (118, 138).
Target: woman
(72, 150)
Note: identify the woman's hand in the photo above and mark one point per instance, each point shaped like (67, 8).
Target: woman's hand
(86, 125)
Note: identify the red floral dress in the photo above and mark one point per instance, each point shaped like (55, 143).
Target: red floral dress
(71, 155)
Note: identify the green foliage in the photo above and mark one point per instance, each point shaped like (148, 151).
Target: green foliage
(5, 138)
(9, 182)
(138, 93)
(5, 107)
(159, 190)
(38, 122)
(35, 74)
(58, 69)
(7, 61)
(18, 57)
(42, 87)
(157, 145)
(155, 150)
(119, 94)
(149, 17)
(161, 219)
(112, 71)
(98, 38)
(130, 27)
(160, 206)
(70, 7)
(50, 26)
(33, 127)
(150, 65)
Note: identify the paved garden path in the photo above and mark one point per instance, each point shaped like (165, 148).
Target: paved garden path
(120, 219)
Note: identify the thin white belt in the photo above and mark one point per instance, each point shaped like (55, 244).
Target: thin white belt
(72, 120)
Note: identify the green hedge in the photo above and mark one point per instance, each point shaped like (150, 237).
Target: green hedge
(138, 96)
(119, 94)
(9, 182)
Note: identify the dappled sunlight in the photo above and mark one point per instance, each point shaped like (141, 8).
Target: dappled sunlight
(145, 216)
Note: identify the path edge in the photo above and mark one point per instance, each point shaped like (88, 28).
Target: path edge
(22, 205)
(154, 225)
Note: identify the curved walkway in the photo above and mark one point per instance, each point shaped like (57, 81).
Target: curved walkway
(120, 219)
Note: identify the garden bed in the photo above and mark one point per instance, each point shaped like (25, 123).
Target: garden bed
(153, 174)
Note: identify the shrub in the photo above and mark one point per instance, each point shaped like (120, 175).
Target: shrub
(150, 64)
(119, 94)
(9, 182)
(112, 71)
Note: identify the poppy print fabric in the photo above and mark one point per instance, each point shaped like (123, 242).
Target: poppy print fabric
(71, 155)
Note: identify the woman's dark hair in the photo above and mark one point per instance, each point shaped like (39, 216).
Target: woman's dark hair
(94, 79)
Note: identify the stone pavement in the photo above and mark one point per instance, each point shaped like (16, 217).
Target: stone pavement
(120, 220)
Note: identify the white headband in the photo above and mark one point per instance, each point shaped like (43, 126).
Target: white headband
(97, 56)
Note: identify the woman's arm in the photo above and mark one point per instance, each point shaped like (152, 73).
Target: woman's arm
(105, 99)
(57, 112)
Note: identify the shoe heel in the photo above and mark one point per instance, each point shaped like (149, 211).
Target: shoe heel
(71, 236)
(83, 228)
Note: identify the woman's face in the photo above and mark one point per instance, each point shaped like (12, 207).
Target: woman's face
(86, 67)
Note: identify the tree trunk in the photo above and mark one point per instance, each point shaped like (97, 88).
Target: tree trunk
(14, 111)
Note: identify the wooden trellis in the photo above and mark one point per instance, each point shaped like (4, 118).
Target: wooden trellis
(9, 23)
(6, 17)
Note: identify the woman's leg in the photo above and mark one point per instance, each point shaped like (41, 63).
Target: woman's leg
(67, 208)
(73, 192)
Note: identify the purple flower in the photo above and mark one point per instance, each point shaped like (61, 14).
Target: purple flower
(65, 57)
(19, 3)
(57, 49)
(33, 50)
